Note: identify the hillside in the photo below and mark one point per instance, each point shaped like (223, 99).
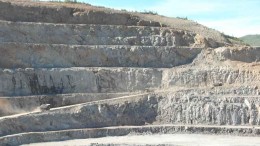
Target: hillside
(253, 40)
(58, 12)
(77, 71)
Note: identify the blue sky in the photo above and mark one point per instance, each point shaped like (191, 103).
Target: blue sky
(233, 17)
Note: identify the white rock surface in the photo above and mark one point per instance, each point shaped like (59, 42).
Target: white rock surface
(164, 139)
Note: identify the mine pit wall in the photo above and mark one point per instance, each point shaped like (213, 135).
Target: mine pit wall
(244, 54)
(100, 80)
(140, 110)
(77, 80)
(23, 104)
(113, 112)
(199, 77)
(209, 110)
(93, 34)
(18, 55)
(12, 12)
(243, 90)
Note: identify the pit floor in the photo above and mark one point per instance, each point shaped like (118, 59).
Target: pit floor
(168, 139)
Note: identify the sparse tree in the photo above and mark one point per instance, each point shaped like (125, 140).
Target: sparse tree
(70, 1)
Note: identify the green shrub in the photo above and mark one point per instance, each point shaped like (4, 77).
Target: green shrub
(70, 1)
(183, 18)
(66, 1)
(149, 12)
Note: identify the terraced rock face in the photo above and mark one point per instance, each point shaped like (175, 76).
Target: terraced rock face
(111, 73)
(26, 11)
(64, 56)
(78, 80)
(93, 34)
(165, 108)
(190, 77)
(60, 14)
(244, 54)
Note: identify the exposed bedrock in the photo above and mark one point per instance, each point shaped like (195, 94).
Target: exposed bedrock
(207, 76)
(61, 14)
(22, 104)
(209, 110)
(83, 34)
(243, 54)
(110, 113)
(71, 70)
(139, 110)
(19, 55)
(77, 80)
(87, 14)
(86, 80)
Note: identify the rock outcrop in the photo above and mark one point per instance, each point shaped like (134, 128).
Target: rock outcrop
(65, 56)
(129, 72)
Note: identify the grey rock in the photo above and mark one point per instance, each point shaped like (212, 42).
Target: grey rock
(87, 34)
(64, 56)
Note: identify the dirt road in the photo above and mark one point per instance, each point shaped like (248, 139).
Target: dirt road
(169, 139)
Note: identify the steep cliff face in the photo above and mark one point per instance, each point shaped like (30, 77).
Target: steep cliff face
(63, 56)
(243, 54)
(191, 77)
(80, 34)
(166, 108)
(97, 67)
(77, 80)
(63, 13)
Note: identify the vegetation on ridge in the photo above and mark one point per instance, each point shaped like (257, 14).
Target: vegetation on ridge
(66, 1)
(253, 40)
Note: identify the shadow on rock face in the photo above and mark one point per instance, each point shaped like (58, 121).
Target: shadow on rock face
(140, 113)
(121, 112)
